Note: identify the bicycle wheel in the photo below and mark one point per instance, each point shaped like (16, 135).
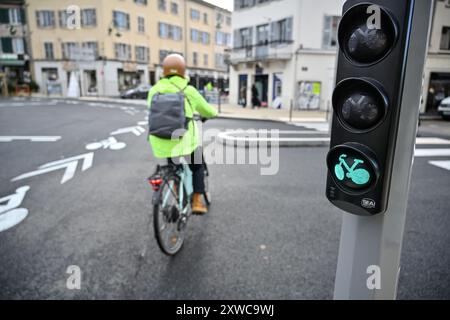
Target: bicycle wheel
(339, 172)
(167, 216)
(207, 194)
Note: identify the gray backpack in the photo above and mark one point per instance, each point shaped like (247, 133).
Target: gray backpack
(167, 118)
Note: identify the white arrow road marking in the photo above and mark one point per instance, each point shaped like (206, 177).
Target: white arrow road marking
(135, 130)
(69, 164)
(12, 218)
(30, 138)
(10, 214)
(441, 164)
(432, 153)
(142, 123)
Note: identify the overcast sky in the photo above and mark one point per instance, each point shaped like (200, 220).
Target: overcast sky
(227, 4)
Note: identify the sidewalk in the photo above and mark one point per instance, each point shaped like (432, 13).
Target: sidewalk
(282, 115)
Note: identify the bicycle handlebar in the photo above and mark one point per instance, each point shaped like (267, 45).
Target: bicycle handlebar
(197, 117)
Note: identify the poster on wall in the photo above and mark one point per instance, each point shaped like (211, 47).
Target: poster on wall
(308, 97)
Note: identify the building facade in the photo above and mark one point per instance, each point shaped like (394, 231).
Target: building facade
(14, 57)
(287, 49)
(437, 67)
(113, 45)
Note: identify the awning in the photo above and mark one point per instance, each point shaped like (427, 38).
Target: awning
(12, 63)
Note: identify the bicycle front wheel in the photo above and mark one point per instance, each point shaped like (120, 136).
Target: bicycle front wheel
(167, 217)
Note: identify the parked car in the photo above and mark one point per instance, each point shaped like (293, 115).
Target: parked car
(444, 108)
(139, 92)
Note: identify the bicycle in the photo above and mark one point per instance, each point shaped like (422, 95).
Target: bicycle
(173, 191)
(358, 176)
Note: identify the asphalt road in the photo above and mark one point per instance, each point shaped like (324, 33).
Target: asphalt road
(266, 237)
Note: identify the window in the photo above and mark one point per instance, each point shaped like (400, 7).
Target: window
(143, 2)
(62, 17)
(121, 20)
(205, 18)
(205, 60)
(219, 17)
(329, 40)
(162, 5)
(195, 58)
(228, 21)
(93, 46)
(141, 24)
(445, 38)
(200, 36)
(162, 55)
(45, 19)
(243, 37)
(174, 8)
(262, 34)
(68, 48)
(88, 17)
(15, 16)
(205, 37)
(6, 45)
(48, 51)
(195, 14)
(241, 4)
(167, 31)
(163, 30)
(142, 54)
(281, 31)
(220, 61)
(122, 51)
(175, 33)
(18, 45)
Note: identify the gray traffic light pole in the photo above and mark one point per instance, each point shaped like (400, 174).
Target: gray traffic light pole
(370, 247)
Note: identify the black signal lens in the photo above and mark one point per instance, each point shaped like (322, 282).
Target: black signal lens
(365, 43)
(360, 104)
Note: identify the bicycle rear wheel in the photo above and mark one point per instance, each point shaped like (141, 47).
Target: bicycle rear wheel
(167, 216)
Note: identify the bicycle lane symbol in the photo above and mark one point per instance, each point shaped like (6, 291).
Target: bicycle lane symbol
(358, 176)
(10, 213)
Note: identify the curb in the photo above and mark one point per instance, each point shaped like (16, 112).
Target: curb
(227, 139)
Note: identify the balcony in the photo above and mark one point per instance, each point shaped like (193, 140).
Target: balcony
(262, 52)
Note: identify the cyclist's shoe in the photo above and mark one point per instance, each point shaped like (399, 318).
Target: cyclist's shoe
(198, 207)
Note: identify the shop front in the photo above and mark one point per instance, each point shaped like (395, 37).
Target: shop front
(438, 90)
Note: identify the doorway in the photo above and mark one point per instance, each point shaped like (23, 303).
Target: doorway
(262, 86)
(242, 90)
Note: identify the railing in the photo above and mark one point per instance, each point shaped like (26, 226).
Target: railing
(268, 51)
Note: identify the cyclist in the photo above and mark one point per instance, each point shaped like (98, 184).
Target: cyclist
(174, 80)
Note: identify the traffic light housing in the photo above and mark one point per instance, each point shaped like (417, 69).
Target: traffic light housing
(373, 40)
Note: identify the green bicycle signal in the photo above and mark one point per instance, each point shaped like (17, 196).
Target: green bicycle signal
(358, 176)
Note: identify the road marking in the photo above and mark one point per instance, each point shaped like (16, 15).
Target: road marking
(26, 104)
(432, 153)
(441, 164)
(70, 165)
(432, 141)
(110, 143)
(137, 130)
(10, 214)
(319, 126)
(30, 138)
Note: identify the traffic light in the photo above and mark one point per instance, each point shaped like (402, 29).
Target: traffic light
(373, 40)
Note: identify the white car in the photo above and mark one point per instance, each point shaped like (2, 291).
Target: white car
(444, 108)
